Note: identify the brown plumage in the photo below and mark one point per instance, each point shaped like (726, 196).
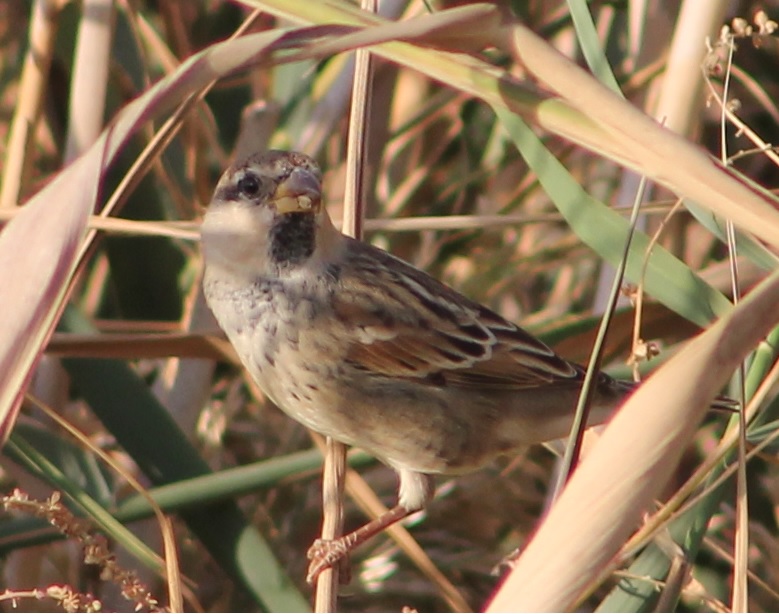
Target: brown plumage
(365, 348)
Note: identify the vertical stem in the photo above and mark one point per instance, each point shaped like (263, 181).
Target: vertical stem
(43, 30)
(354, 203)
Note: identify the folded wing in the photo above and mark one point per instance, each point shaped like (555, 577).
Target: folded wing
(409, 325)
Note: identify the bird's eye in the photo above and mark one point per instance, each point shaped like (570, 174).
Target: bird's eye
(249, 185)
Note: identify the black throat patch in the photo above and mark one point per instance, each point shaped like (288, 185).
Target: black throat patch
(292, 238)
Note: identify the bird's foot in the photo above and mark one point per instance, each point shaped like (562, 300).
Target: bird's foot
(323, 554)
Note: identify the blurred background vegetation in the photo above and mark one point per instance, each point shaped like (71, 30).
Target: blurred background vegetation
(140, 369)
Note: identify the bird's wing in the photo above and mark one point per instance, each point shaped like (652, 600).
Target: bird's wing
(399, 322)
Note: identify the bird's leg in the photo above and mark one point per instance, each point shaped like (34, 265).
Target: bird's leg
(325, 553)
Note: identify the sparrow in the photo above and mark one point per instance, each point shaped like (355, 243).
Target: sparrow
(365, 348)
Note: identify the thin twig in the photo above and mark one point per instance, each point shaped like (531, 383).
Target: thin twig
(354, 202)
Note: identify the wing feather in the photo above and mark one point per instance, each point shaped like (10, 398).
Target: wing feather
(403, 323)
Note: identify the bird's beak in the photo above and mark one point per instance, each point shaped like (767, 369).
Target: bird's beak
(301, 191)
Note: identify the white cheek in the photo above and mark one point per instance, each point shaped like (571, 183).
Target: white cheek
(233, 233)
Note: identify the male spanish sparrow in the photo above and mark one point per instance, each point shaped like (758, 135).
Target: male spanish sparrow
(361, 346)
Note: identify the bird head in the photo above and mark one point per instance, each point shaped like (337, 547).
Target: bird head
(266, 213)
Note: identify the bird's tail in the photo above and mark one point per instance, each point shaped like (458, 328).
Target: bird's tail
(720, 403)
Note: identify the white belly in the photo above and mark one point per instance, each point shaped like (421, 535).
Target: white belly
(277, 341)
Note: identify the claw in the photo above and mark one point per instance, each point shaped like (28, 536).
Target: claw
(324, 553)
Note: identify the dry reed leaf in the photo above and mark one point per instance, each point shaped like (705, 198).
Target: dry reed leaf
(40, 247)
(38, 253)
(639, 450)
(627, 135)
(586, 112)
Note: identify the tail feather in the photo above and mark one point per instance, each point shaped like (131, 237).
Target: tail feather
(627, 387)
